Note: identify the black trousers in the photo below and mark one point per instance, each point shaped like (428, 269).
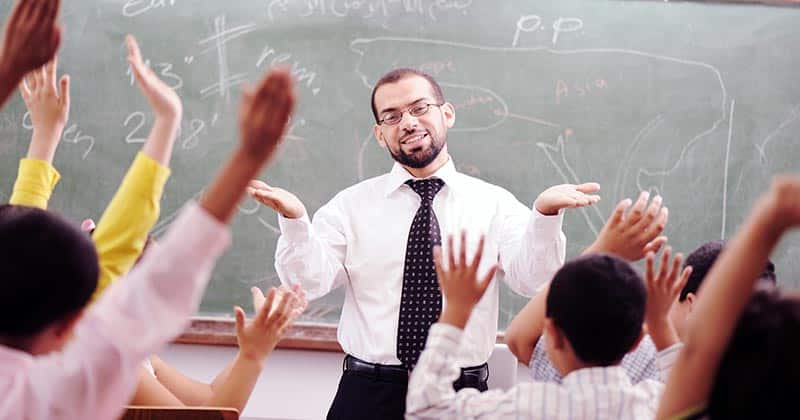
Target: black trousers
(365, 397)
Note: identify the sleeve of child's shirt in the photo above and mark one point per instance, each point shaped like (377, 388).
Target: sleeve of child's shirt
(430, 389)
(666, 359)
(93, 377)
(36, 180)
(122, 231)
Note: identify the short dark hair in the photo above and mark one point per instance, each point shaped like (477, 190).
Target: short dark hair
(758, 373)
(48, 271)
(703, 258)
(598, 301)
(397, 75)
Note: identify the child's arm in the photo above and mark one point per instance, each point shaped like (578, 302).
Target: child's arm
(233, 385)
(628, 236)
(31, 39)
(122, 230)
(526, 328)
(725, 292)
(47, 100)
(135, 317)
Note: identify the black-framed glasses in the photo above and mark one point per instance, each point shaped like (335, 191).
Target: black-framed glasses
(416, 110)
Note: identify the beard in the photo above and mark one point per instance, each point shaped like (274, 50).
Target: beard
(419, 158)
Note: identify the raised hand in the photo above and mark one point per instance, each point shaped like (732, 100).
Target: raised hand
(31, 38)
(636, 233)
(278, 199)
(563, 196)
(264, 113)
(259, 299)
(459, 281)
(663, 288)
(47, 100)
(163, 99)
(259, 337)
(782, 203)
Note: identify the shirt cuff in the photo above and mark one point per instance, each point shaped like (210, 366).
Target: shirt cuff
(35, 182)
(546, 226)
(146, 177)
(445, 338)
(295, 230)
(667, 357)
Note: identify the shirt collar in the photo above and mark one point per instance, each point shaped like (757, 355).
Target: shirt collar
(12, 359)
(399, 175)
(608, 376)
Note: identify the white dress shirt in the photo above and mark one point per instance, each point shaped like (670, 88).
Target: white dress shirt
(95, 375)
(359, 238)
(591, 393)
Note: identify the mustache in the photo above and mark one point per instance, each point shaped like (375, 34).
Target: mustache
(413, 134)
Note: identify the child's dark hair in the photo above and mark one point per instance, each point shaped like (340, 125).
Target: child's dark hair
(48, 272)
(703, 258)
(759, 372)
(598, 301)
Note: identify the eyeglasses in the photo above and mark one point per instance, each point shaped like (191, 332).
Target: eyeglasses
(394, 117)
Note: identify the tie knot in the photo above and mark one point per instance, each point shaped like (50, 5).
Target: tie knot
(426, 188)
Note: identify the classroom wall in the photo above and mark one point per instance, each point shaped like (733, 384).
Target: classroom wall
(300, 384)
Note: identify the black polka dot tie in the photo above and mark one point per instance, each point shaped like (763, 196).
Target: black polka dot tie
(421, 300)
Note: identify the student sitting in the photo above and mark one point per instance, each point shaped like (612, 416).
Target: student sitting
(628, 235)
(743, 338)
(50, 271)
(595, 309)
(121, 233)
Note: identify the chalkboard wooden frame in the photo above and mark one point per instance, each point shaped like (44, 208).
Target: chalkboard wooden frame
(301, 336)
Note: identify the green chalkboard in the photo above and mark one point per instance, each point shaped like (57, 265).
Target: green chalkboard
(700, 102)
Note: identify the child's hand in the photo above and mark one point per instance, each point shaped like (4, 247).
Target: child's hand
(264, 114)
(459, 281)
(259, 299)
(47, 100)
(31, 38)
(165, 102)
(663, 289)
(259, 337)
(781, 206)
(633, 235)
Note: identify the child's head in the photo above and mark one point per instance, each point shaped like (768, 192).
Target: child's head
(701, 260)
(595, 311)
(48, 272)
(759, 372)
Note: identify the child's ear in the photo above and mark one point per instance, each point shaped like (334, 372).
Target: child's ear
(691, 298)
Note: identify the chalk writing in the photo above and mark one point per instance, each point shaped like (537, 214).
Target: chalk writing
(578, 89)
(533, 24)
(72, 134)
(217, 41)
(165, 71)
(365, 9)
(303, 76)
(133, 8)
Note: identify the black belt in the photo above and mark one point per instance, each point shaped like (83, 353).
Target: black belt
(470, 376)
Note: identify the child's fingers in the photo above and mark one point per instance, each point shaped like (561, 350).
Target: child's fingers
(266, 309)
(63, 96)
(437, 262)
(240, 319)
